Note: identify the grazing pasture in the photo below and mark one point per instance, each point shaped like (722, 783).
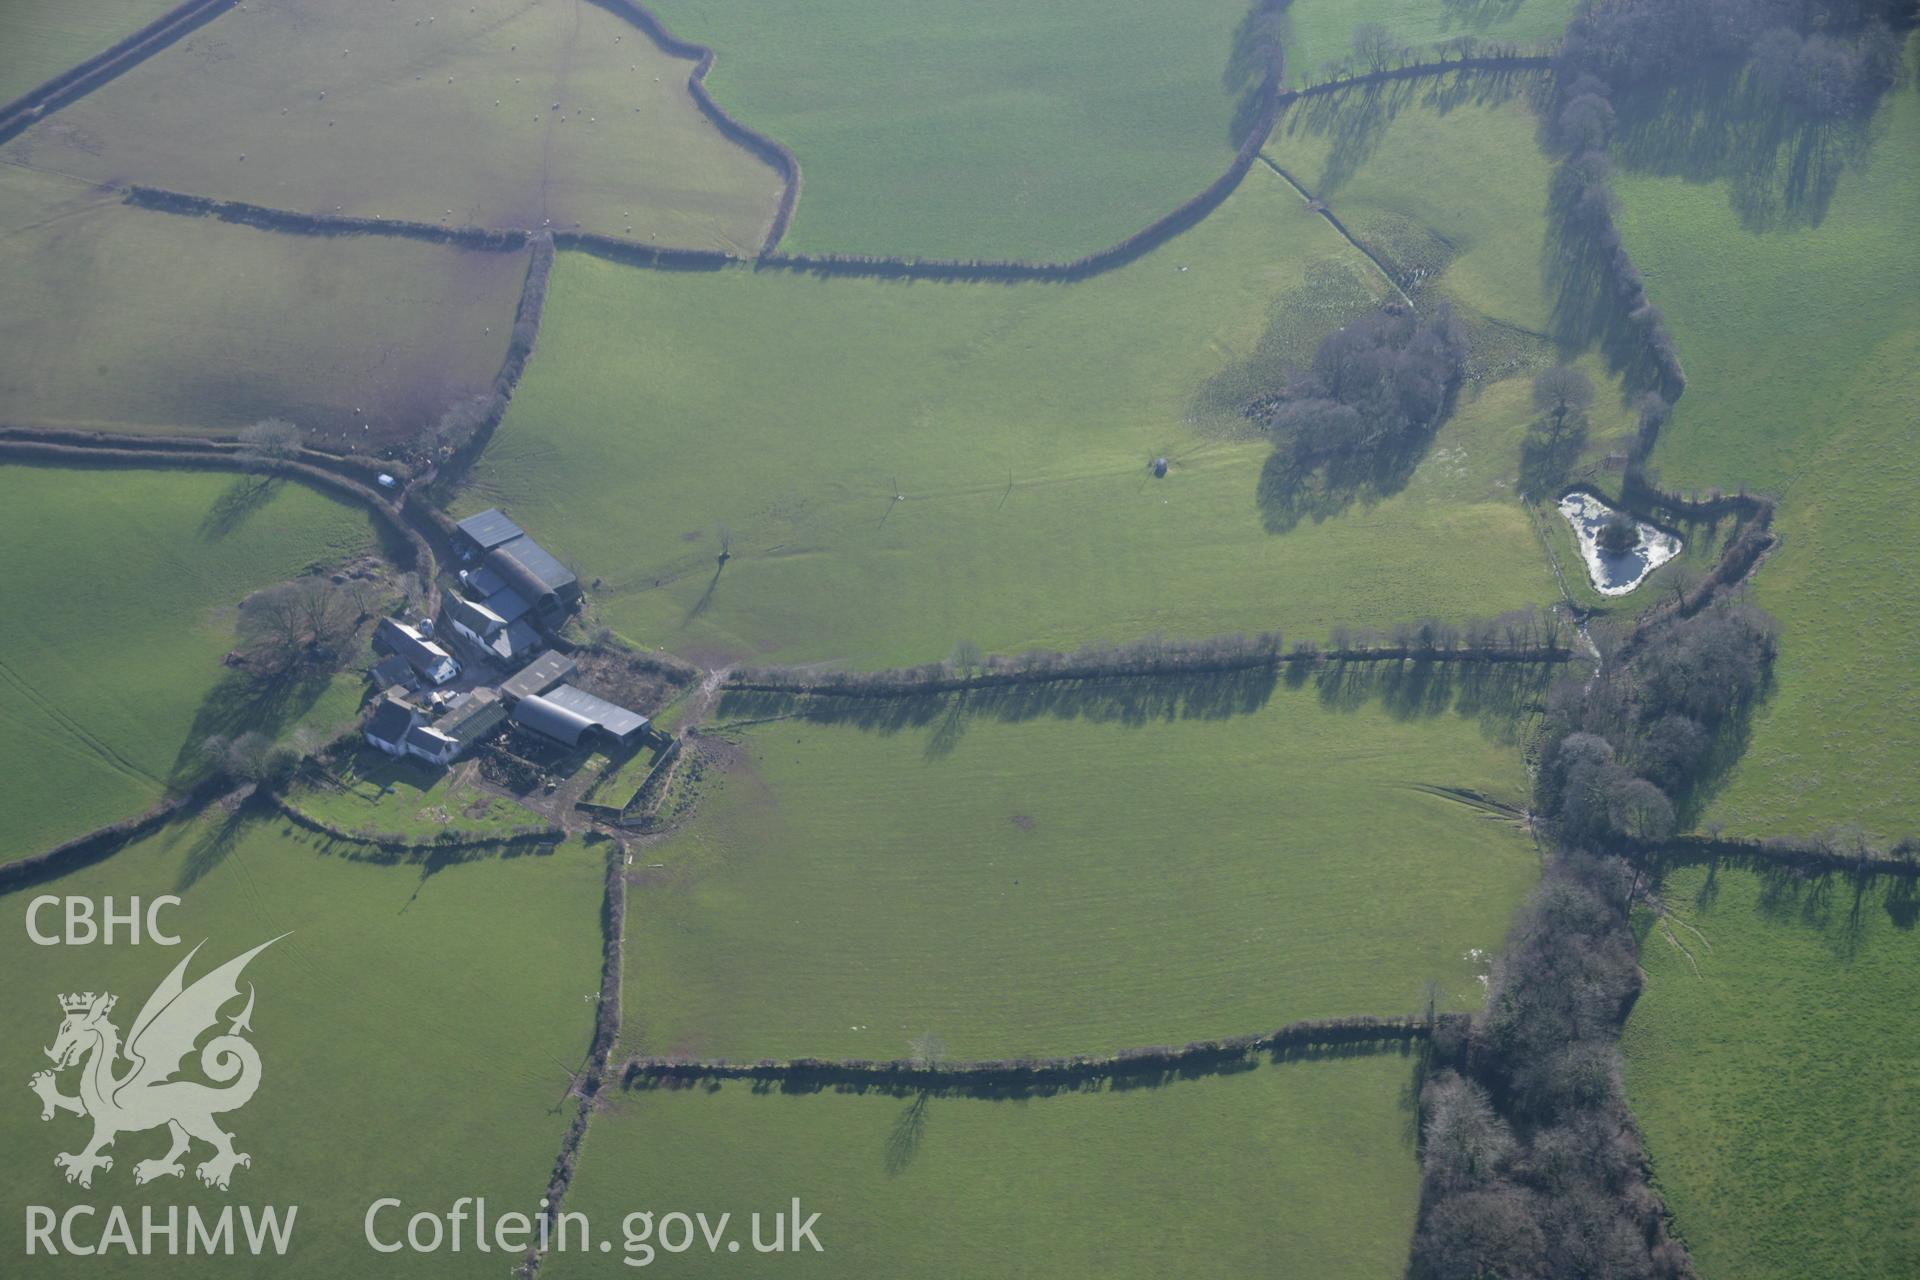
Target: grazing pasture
(1081, 869)
(997, 129)
(41, 38)
(1301, 1169)
(1778, 1088)
(121, 595)
(406, 1001)
(123, 319)
(502, 113)
(1800, 327)
(897, 467)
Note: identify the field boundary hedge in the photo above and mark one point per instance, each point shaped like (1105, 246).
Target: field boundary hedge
(37, 103)
(651, 257)
(1001, 1077)
(606, 1029)
(393, 842)
(19, 448)
(101, 842)
(1218, 655)
(771, 151)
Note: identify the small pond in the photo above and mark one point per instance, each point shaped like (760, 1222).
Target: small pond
(1614, 573)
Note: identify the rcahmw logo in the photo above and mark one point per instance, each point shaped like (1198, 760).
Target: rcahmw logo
(144, 1082)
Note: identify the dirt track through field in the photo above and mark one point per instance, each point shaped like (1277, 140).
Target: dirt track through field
(113, 759)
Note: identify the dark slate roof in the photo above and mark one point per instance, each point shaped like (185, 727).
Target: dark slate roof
(391, 722)
(403, 641)
(551, 719)
(615, 719)
(508, 603)
(490, 528)
(472, 715)
(530, 568)
(516, 642)
(390, 670)
(484, 581)
(475, 617)
(538, 676)
(426, 739)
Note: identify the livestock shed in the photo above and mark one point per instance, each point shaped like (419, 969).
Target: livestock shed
(482, 533)
(571, 715)
(538, 676)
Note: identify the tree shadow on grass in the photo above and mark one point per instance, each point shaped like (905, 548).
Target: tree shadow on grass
(1497, 694)
(908, 1132)
(1354, 120)
(236, 504)
(1782, 164)
(241, 703)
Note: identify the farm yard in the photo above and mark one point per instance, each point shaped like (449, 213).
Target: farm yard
(734, 668)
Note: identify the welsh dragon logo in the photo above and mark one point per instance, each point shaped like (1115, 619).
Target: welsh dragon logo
(146, 1094)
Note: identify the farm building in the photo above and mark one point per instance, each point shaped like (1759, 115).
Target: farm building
(429, 744)
(392, 720)
(571, 715)
(432, 662)
(390, 672)
(511, 641)
(538, 676)
(514, 562)
(491, 590)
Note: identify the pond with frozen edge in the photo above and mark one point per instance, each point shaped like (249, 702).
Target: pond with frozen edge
(1614, 573)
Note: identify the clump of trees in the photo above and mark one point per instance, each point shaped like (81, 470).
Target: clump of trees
(1530, 1163)
(1619, 751)
(1562, 395)
(300, 628)
(271, 440)
(1376, 386)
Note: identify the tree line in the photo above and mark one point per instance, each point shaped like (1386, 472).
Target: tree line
(1529, 635)
(927, 1070)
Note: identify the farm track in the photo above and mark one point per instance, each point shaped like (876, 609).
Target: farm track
(1321, 207)
(86, 738)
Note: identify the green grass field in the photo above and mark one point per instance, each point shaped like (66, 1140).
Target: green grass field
(124, 319)
(41, 38)
(1301, 1170)
(1052, 885)
(1779, 1088)
(986, 130)
(381, 795)
(416, 1033)
(352, 106)
(1321, 31)
(1018, 422)
(1801, 344)
(122, 587)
